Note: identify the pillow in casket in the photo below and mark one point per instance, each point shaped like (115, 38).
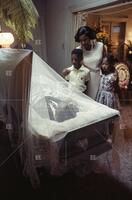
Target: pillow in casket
(58, 110)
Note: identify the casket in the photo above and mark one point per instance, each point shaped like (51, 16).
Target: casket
(49, 121)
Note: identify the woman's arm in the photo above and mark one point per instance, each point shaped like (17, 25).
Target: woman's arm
(88, 67)
(104, 53)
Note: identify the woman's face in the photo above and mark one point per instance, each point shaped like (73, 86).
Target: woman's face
(85, 42)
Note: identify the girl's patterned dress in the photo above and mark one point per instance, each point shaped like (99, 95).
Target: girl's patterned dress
(106, 93)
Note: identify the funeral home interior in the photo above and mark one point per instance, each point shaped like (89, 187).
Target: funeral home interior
(55, 140)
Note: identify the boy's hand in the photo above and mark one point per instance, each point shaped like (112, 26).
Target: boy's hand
(65, 72)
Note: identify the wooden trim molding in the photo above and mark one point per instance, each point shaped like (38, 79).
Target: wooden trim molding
(98, 5)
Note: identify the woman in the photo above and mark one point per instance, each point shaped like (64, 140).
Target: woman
(93, 53)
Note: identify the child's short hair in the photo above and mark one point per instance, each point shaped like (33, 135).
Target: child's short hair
(78, 52)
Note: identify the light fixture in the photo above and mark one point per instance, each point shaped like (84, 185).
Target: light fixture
(6, 39)
(130, 52)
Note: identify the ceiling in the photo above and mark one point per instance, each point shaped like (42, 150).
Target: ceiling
(119, 11)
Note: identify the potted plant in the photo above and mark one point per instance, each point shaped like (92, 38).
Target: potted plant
(20, 16)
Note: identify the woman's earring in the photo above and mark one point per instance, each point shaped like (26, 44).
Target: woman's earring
(93, 43)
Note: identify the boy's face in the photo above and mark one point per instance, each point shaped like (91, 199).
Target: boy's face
(76, 61)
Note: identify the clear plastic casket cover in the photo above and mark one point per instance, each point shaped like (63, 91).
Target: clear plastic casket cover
(38, 102)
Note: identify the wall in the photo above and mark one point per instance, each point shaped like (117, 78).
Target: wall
(39, 42)
(59, 36)
(129, 30)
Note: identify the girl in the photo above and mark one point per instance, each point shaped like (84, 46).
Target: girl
(108, 83)
(107, 91)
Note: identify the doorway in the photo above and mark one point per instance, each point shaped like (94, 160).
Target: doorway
(115, 20)
(116, 32)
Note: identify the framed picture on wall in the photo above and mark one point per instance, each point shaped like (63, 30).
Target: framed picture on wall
(115, 29)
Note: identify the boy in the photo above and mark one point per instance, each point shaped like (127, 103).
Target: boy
(78, 75)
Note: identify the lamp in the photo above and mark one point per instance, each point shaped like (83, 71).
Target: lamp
(6, 39)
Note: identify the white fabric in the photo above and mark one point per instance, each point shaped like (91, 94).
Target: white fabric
(45, 82)
(40, 104)
(93, 57)
(92, 60)
(78, 77)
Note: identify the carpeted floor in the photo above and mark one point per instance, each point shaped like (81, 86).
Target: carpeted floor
(69, 186)
(113, 182)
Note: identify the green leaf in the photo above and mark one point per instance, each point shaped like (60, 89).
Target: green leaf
(21, 16)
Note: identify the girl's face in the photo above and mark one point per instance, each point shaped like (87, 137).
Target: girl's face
(105, 65)
(77, 62)
(85, 42)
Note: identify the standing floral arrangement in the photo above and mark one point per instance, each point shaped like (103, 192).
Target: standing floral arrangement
(103, 37)
(123, 75)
